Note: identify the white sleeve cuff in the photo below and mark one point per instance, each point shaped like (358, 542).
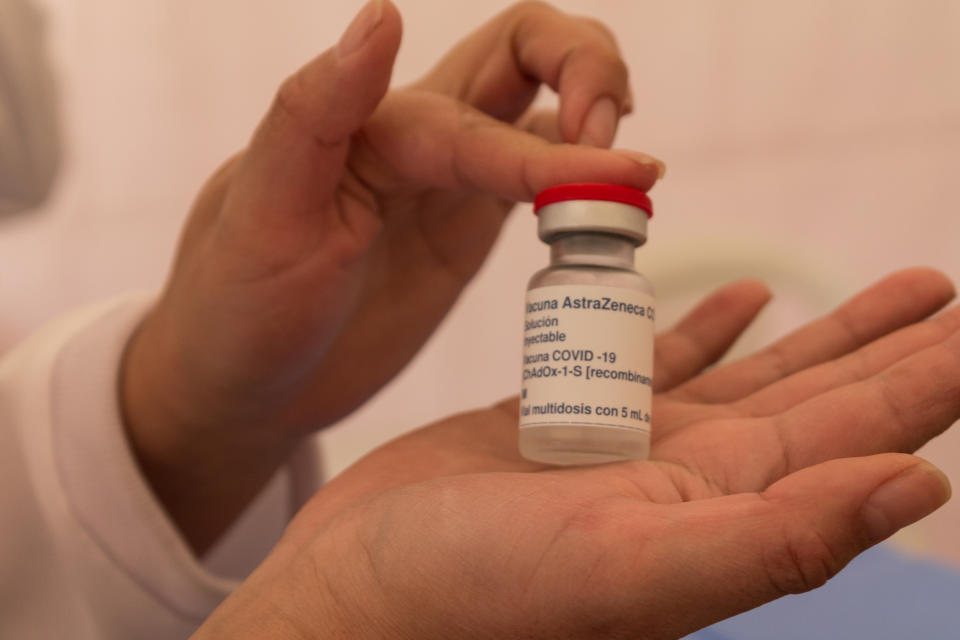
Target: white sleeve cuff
(103, 485)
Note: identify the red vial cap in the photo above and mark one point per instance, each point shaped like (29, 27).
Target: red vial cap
(594, 191)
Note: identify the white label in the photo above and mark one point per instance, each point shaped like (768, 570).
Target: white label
(587, 357)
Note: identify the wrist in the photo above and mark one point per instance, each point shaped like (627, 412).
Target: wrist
(203, 471)
(154, 426)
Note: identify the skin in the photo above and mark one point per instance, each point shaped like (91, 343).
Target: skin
(766, 475)
(350, 202)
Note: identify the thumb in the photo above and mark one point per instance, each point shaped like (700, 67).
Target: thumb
(735, 553)
(296, 157)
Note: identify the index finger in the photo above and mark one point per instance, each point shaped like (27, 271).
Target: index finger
(418, 137)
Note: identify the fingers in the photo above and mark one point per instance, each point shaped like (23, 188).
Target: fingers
(296, 156)
(706, 333)
(435, 141)
(544, 123)
(897, 300)
(499, 67)
(579, 60)
(899, 409)
(791, 538)
(859, 365)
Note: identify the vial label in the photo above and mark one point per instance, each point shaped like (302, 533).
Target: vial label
(587, 357)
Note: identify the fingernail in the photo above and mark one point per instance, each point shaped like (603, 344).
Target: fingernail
(646, 160)
(904, 499)
(600, 125)
(627, 107)
(360, 29)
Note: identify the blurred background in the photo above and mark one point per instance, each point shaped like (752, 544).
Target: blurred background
(814, 145)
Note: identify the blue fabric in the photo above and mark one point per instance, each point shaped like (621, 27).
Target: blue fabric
(882, 595)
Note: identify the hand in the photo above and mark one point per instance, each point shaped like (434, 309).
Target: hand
(317, 262)
(766, 477)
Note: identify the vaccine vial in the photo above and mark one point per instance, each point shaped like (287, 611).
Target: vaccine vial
(586, 391)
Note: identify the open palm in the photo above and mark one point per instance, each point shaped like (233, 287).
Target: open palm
(762, 481)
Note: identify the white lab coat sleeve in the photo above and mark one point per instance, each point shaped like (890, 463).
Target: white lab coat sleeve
(88, 551)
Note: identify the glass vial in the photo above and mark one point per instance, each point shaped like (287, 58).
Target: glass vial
(586, 391)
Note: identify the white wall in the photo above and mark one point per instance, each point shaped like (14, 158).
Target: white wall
(814, 144)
